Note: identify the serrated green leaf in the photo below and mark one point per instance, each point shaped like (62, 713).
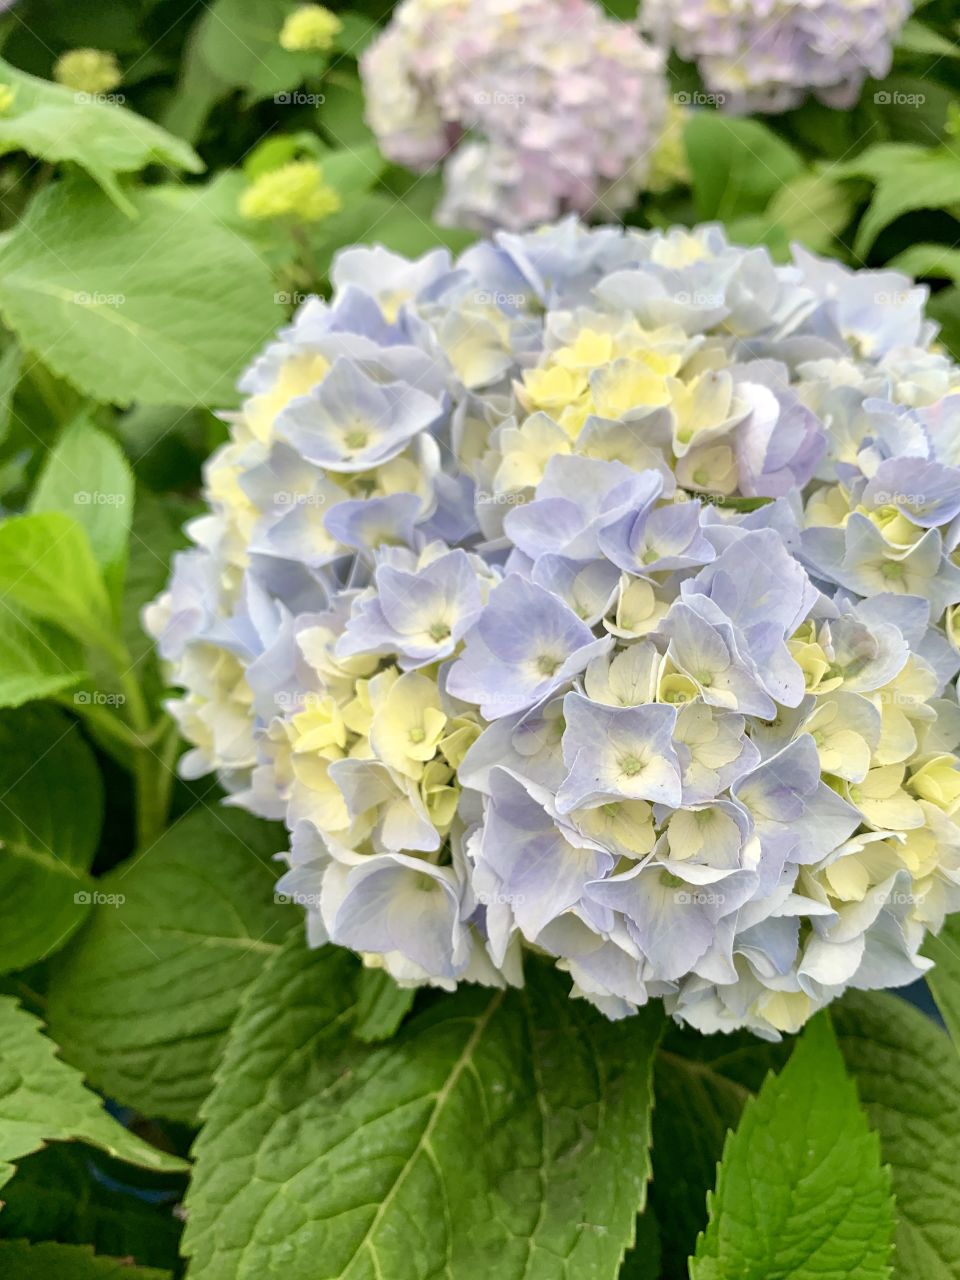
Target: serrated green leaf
(48, 570)
(61, 1193)
(142, 1001)
(36, 661)
(907, 177)
(87, 476)
(55, 124)
(165, 309)
(51, 809)
(381, 1006)
(736, 165)
(43, 1100)
(20, 1260)
(501, 1133)
(944, 979)
(801, 1191)
(908, 1078)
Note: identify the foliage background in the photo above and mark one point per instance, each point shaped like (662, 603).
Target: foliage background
(494, 1135)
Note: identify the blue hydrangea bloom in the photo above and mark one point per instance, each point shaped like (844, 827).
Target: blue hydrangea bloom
(596, 592)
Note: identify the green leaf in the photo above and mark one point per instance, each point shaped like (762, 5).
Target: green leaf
(55, 124)
(701, 1084)
(142, 1001)
(353, 171)
(11, 367)
(36, 661)
(918, 38)
(937, 261)
(22, 1261)
(944, 979)
(166, 309)
(501, 1133)
(812, 209)
(736, 166)
(800, 1191)
(381, 1006)
(87, 476)
(48, 570)
(61, 1193)
(51, 810)
(235, 45)
(908, 1078)
(907, 177)
(43, 1100)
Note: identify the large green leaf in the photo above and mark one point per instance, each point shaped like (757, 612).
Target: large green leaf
(141, 1002)
(801, 1191)
(48, 570)
(166, 308)
(87, 476)
(381, 1005)
(944, 979)
(938, 261)
(22, 1261)
(51, 808)
(61, 1193)
(908, 1077)
(36, 661)
(235, 45)
(55, 124)
(501, 1133)
(907, 177)
(736, 166)
(43, 1100)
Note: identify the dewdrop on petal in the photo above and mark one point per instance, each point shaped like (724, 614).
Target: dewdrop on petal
(594, 593)
(295, 190)
(311, 27)
(90, 71)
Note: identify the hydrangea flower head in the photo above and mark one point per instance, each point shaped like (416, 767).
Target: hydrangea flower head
(770, 56)
(534, 107)
(87, 70)
(296, 190)
(312, 26)
(595, 594)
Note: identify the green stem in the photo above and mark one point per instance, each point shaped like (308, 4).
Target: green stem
(152, 769)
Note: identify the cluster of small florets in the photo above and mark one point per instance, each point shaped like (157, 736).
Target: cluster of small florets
(534, 107)
(770, 56)
(594, 594)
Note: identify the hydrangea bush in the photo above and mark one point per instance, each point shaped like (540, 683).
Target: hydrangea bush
(594, 594)
(534, 107)
(771, 56)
